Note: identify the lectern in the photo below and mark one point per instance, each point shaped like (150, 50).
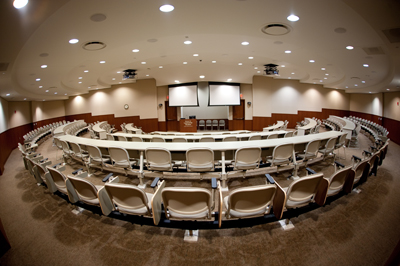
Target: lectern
(188, 125)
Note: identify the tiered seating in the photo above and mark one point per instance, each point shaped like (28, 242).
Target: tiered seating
(376, 131)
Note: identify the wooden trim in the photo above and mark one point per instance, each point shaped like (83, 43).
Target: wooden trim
(279, 202)
(322, 191)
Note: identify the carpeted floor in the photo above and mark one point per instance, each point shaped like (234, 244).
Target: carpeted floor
(356, 229)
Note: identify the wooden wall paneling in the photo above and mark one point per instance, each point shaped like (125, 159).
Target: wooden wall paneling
(374, 118)
(248, 125)
(393, 127)
(162, 126)
(238, 111)
(172, 126)
(236, 125)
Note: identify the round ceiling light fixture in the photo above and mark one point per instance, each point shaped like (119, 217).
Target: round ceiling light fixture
(98, 17)
(293, 18)
(94, 46)
(276, 29)
(166, 8)
(20, 3)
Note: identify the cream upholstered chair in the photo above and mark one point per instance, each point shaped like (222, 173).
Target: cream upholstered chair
(40, 171)
(120, 158)
(288, 134)
(207, 139)
(57, 181)
(215, 124)
(136, 139)
(311, 151)
(255, 137)
(329, 148)
(251, 201)
(179, 140)
(221, 124)
(85, 190)
(157, 139)
(122, 138)
(342, 179)
(158, 159)
(67, 152)
(202, 123)
(361, 169)
(110, 137)
(341, 143)
(373, 163)
(200, 160)
(281, 154)
(247, 158)
(273, 136)
(230, 138)
(208, 124)
(77, 152)
(96, 157)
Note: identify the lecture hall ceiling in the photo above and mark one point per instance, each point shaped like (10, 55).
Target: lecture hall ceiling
(38, 62)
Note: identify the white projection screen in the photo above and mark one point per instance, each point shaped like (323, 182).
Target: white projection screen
(183, 95)
(224, 94)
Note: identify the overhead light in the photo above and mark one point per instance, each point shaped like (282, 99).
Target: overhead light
(113, 78)
(20, 3)
(250, 57)
(166, 8)
(229, 80)
(73, 41)
(86, 71)
(65, 94)
(202, 76)
(388, 89)
(326, 74)
(370, 92)
(365, 65)
(80, 78)
(292, 73)
(282, 65)
(118, 72)
(24, 99)
(289, 78)
(7, 94)
(43, 66)
(102, 62)
(40, 87)
(255, 67)
(147, 75)
(187, 42)
(363, 81)
(323, 68)
(55, 93)
(288, 52)
(135, 50)
(176, 81)
(38, 79)
(355, 85)
(258, 71)
(195, 54)
(213, 62)
(89, 87)
(325, 78)
(185, 63)
(160, 67)
(349, 47)
(240, 64)
(245, 43)
(47, 90)
(293, 18)
(143, 63)
(311, 61)
(347, 87)
(80, 82)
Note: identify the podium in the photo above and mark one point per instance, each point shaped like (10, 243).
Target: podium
(188, 125)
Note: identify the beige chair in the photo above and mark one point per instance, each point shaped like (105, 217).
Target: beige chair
(341, 180)
(56, 181)
(202, 123)
(208, 124)
(207, 139)
(40, 171)
(255, 137)
(221, 124)
(158, 159)
(122, 138)
(77, 153)
(281, 154)
(85, 190)
(311, 151)
(179, 140)
(120, 158)
(67, 152)
(157, 139)
(341, 143)
(273, 136)
(248, 202)
(361, 171)
(373, 163)
(288, 134)
(110, 137)
(200, 160)
(328, 148)
(96, 157)
(136, 139)
(247, 158)
(230, 138)
(215, 124)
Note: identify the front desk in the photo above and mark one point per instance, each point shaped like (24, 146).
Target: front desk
(188, 125)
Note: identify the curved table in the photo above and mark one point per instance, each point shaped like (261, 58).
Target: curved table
(163, 133)
(61, 129)
(101, 132)
(311, 124)
(132, 128)
(273, 127)
(348, 126)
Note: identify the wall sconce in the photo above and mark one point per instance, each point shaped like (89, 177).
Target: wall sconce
(160, 105)
(248, 103)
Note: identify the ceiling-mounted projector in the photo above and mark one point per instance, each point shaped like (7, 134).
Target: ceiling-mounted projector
(129, 74)
(271, 70)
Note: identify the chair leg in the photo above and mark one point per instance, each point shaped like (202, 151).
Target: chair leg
(191, 236)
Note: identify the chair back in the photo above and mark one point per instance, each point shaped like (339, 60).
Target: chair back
(283, 152)
(247, 158)
(119, 157)
(94, 153)
(288, 134)
(128, 198)
(341, 141)
(302, 191)
(157, 139)
(207, 139)
(273, 136)
(337, 180)
(86, 191)
(179, 140)
(200, 160)
(230, 138)
(255, 137)
(65, 147)
(58, 179)
(137, 139)
(110, 137)
(313, 147)
(122, 138)
(158, 159)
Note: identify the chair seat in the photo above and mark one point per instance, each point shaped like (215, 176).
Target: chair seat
(200, 215)
(143, 210)
(307, 155)
(160, 167)
(245, 166)
(238, 214)
(296, 204)
(278, 161)
(202, 167)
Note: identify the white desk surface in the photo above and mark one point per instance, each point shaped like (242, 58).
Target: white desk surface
(347, 124)
(97, 128)
(311, 124)
(215, 146)
(197, 137)
(130, 127)
(277, 125)
(163, 133)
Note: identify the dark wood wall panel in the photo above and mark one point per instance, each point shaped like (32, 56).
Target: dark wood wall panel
(236, 124)
(374, 118)
(248, 125)
(162, 126)
(393, 126)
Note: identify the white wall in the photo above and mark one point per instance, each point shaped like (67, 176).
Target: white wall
(392, 105)
(203, 111)
(367, 103)
(3, 115)
(19, 114)
(48, 109)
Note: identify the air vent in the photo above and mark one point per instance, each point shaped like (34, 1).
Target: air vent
(4, 66)
(94, 46)
(393, 35)
(276, 29)
(373, 50)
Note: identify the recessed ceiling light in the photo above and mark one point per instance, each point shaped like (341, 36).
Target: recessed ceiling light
(47, 90)
(185, 63)
(292, 73)
(55, 93)
(44, 100)
(135, 50)
(289, 78)
(102, 62)
(166, 8)
(355, 85)
(255, 67)
(80, 82)
(240, 64)
(388, 89)
(213, 62)
(202, 77)
(365, 65)
(187, 42)
(370, 92)
(120, 82)
(43, 66)
(143, 63)
(245, 43)
(347, 87)
(147, 75)
(325, 78)
(20, 3)
(288, 52)
(38, 79)
(293, 18)
(195, 54)
(363, 81)
(229, 80)
(73, 41)
(326, 74)
(321, 80)
(176, 81)
(7, 94)
(311, 61)
(259, 71)
(323, 68)
(80, 78)
(89, 87)
(113, 79)
(86, 71)
(160, 67)
(40, 87)
(250, 57)
(349, 47)
(24, 99)
(118, 72)
(282, 65)
(65, 94)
